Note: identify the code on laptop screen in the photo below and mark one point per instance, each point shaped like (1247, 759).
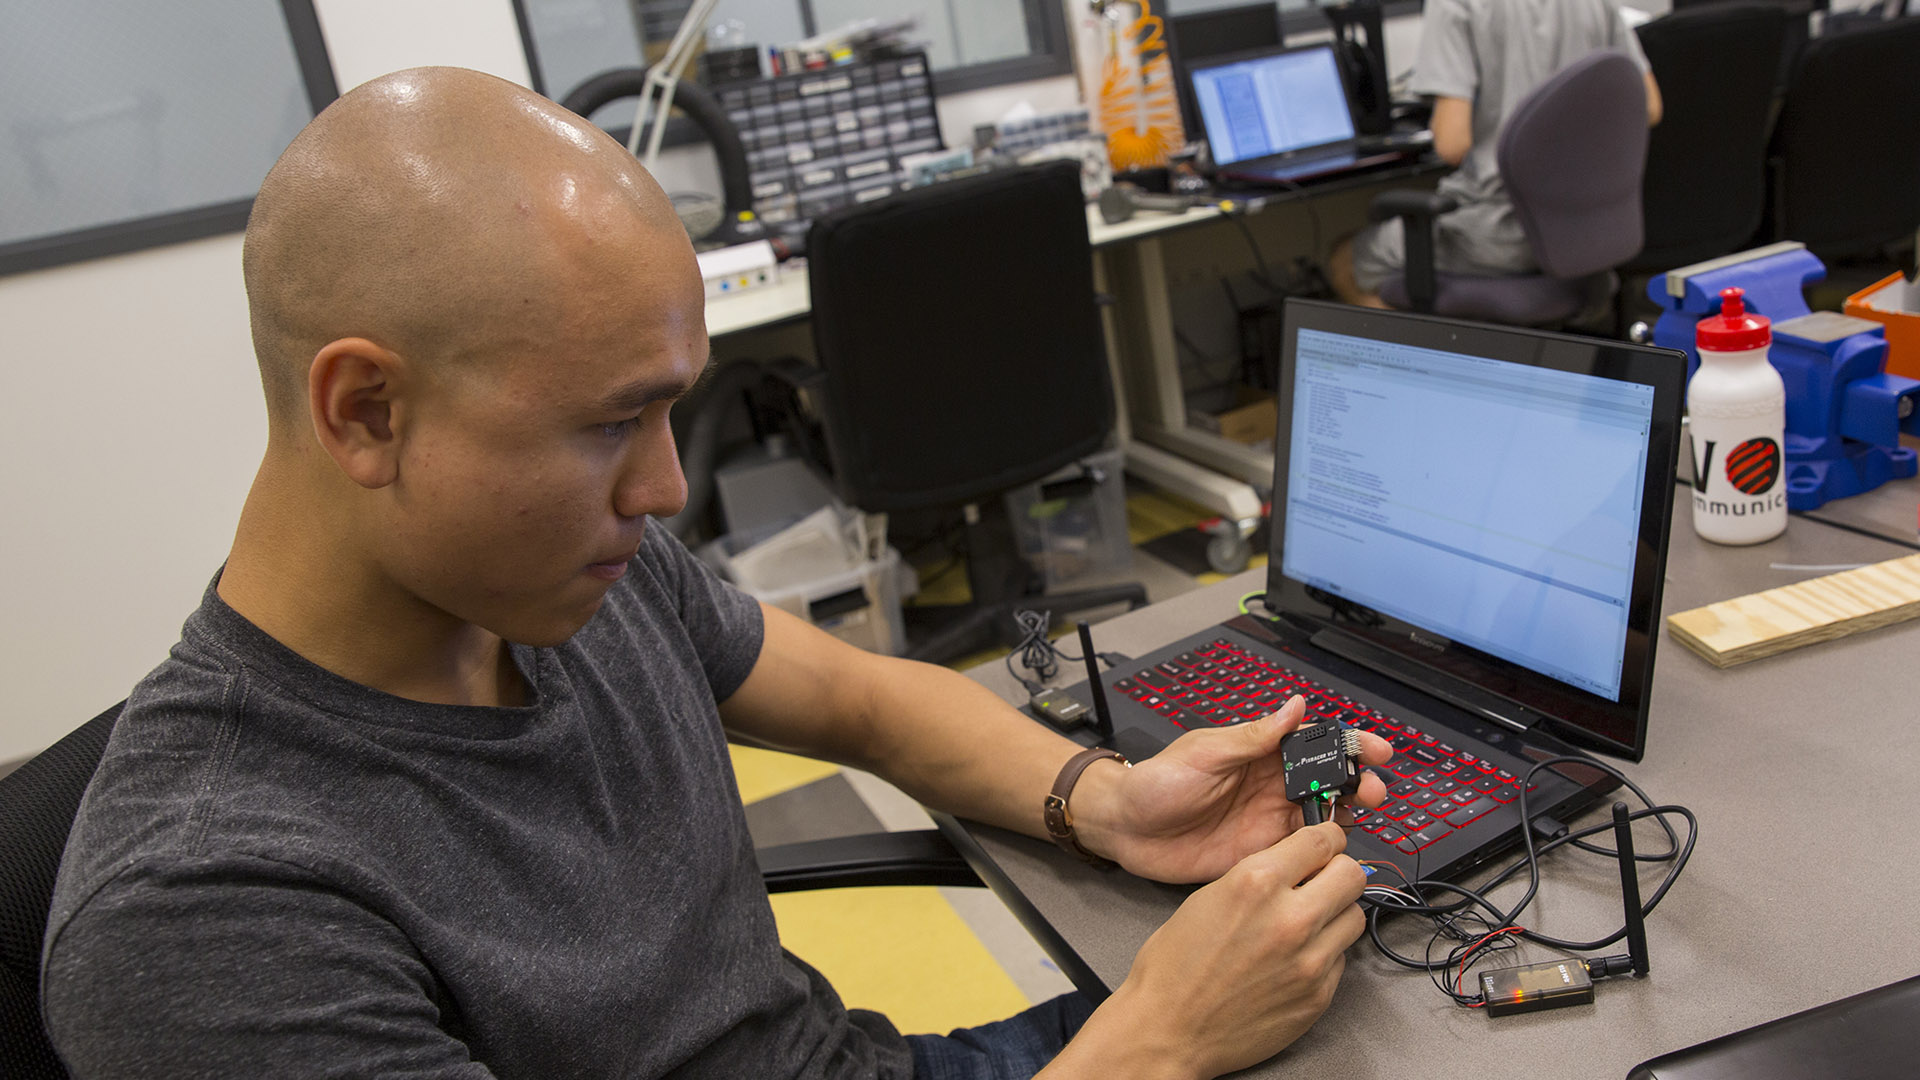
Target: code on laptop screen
(1493, 503)
(1272, 104)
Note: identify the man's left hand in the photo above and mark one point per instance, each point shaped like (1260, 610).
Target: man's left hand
(1211, 798)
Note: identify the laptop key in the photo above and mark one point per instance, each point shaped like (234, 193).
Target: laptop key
(1488, 784)
(1419, 819)
(1414, 841)
(1421, 753)
(1389, 835)
(1427, 778)
(1459, 818)
(1444, 787)
(1396, 810)
(1404, 788)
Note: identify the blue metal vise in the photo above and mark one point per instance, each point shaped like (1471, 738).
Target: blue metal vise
(1844, 412)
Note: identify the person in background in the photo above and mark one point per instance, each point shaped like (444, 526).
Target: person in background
(1478, 60)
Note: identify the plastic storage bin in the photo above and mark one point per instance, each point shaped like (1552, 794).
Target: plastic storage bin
(1074, 522)
(860, 606)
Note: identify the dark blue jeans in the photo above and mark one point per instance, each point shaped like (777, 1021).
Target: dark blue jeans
(1010, 1049)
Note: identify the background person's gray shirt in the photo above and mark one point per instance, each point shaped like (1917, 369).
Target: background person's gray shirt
(278, 872)
(1494, 53)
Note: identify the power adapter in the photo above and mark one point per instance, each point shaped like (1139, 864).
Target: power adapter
(1059, 709)
(1532, 987)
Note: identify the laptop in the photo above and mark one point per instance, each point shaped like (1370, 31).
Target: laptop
(1279, 116)
(1864, 1037)
(1468, 545)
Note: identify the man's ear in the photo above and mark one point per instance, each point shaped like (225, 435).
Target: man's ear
(354, 394)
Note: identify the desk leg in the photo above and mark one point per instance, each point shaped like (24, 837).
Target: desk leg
(1205, 448)
(1150, 398)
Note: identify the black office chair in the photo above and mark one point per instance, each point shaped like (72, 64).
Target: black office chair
(1571, 157)
(1704, 192)
(37, 804)
(960, 355)
(1845, 155)
(1705, 185)
(39, 799)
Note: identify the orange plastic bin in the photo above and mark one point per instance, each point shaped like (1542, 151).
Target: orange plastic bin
(1881, 303)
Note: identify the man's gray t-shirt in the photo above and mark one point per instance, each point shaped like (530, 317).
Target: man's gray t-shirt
(1494, 53)
(278, 872)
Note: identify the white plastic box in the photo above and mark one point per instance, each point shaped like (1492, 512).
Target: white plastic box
(1074, 533)
(860, 606)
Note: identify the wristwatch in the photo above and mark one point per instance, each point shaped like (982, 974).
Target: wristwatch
(1058, 818)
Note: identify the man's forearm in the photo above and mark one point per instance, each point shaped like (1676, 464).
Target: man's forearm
(954, 745)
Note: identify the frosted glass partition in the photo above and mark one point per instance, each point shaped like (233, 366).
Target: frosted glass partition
(127, 123)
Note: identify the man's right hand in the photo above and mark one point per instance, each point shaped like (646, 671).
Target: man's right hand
(1241, 970)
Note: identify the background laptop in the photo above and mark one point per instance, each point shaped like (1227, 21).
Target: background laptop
(1281, 115)
(1468, 547)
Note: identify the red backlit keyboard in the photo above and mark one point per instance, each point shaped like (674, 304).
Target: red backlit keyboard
(1433, 788)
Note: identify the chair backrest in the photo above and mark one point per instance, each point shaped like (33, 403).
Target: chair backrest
(37, 804)
(1706, 179)
(958, 332)
(1847, 147)
(1571, 157)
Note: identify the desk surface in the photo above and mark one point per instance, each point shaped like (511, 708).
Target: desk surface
(1787, 902)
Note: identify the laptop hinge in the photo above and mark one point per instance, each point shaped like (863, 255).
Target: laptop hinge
(1410, 672)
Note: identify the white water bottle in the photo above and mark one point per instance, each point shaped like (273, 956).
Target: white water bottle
(1737, 413)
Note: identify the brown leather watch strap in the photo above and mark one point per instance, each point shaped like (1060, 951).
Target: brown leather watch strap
(1058, 818)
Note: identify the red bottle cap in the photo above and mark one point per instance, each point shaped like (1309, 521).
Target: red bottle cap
(1734, 329)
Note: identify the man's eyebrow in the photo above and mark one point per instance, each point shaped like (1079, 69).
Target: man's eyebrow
(637, 395)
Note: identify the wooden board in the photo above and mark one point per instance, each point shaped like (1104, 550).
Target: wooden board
(1818, 609)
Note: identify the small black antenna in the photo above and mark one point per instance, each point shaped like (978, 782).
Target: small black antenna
(1102, 719)
(1630, 889)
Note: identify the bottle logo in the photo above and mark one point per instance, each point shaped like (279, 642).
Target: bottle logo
(1753, 466)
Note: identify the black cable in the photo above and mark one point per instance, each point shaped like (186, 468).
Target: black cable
(1180, 337)
(1265, 277)
(1036, 650)
(1313, 214)
(1475, 908)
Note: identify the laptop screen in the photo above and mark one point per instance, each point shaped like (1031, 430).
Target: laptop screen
(1272, 103)
(1480, 500)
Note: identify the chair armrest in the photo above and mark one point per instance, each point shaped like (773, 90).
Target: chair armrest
(1418, 209)
(919, 857)
(1410, 203)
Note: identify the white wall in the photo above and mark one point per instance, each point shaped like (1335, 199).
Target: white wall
(136, 422)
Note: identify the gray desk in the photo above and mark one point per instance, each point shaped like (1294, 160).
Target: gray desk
(1795, 896)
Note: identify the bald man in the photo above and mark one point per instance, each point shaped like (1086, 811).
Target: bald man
(435, 783)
